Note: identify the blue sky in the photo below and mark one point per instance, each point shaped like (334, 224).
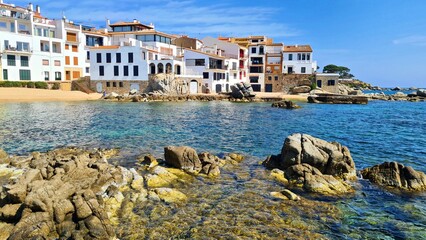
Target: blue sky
(382, 41)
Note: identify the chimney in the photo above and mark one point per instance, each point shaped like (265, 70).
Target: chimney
(135, 21)
(38, 9)
(107, 27)
(30, 6)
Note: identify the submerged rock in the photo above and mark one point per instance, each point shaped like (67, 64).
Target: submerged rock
(396, 175)
(285, 104)
(317, 164)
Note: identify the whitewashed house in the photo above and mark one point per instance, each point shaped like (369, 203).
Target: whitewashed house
(298, 60)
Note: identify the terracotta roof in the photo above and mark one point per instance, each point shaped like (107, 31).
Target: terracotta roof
(95, 32)
(117, 24)
(208, 54)
(298, 48)
(105, 47)
(275, 44)
(143, 32)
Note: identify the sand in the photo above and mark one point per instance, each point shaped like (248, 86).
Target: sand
(300, 98)
(42, 95)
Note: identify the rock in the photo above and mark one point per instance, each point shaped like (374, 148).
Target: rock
(133, 92)
(96, 228)
(290, 195)
(137, 181)
(319, 166)
(37, 225)
(396, 175)
(396, 89)
(337, 99)
(160, 177)
(286, 105)
(236, 157)
(421, 92)
(4, 157)
(81, 207)
(301, 89)
(330, 158)
(210, 164)
(136, 99)
(184, 158)
(61, 208)
(279, 195)
(149, 160)
(11, 212)
(5, 230)
(170, 195)
(400, 95)
(279, 176)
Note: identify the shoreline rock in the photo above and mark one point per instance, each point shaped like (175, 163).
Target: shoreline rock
(395, 175)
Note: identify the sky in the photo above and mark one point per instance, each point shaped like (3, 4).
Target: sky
(383, 42)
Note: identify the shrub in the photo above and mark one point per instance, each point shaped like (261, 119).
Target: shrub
(30, 84)
(41, 85)
(56, 86)
(313, 86)
(10, 84)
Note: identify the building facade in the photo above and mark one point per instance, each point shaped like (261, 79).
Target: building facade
(298, 60)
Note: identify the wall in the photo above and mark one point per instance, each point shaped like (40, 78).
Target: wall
(287, 81)
(324, 78)
(143, 85)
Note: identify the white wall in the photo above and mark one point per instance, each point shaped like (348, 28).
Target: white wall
(297, 65)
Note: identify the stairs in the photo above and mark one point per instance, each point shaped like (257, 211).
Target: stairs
(83, 85)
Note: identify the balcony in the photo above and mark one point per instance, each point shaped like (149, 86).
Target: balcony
(16, 50)
(72, 26)
(13, 14)
(44, 21)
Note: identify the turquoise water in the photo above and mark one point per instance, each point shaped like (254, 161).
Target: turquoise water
(377, 132)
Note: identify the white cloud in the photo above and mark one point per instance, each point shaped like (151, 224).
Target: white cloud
(414, 40)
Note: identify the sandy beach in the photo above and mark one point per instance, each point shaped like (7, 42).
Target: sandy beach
(301, 98)
(42, 95)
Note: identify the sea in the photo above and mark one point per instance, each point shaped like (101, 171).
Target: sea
(238, 203)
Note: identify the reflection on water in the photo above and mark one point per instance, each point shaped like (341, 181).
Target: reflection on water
(238, 203)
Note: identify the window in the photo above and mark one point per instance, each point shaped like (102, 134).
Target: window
(195, 62)
(46, 76)
(303, 57)
(108, 84)
(126, 70)
(11, 60)
(101, 70)
(74, 48)
(108, 57)
(253, 50)
(67, 46)
(88, 55)
(114, 84)
(44, 47)
(331, 82)
(116, 72)
(45, 62)
(118, 57)
(308, 56)
(261, 50)
(270, 78)
(56, 47)
(23, 46)
(135, 71)
(87, 70)
(235, 76)
(12, 27)
(98, 57)
(5, 75)
(303, 70)
(75, 61)
(205, 75)
(67, 60)
(130, 57)
(24, 74)
(3, 25)
(276, 78)
(290, 57)
(120, 84)
(57, 63)
(254, 79)
(58, 76)
(319, 83)
(256, 60)
(299, 56)
(256, 70)
(144, 55)
(24, 61)
(71, 37)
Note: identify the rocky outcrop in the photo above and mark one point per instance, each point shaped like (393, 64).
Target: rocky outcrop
(421, 93)
(301, 89)
(242, 90)
(285, 104)
(66, 193)
(4, 158)
(168, 84)
(319, 165)
(396, 175)
(337, 99)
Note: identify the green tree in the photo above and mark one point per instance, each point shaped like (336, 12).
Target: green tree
(341, 70)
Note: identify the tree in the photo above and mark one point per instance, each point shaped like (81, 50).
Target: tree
(341, 70)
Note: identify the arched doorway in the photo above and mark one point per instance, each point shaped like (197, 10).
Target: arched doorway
(152, 68)
(160, 68)
(177, 69)
(193, 87)
(168, 68)
(218, 88)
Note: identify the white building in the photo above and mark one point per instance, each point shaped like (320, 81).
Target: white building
(298, 60)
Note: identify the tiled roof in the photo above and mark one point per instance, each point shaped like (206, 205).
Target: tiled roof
(117, 24)
(298, 48)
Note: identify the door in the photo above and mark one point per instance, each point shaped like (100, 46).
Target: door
(319, 83)
(193, 87)
(134, 86)
(218, 88)
(68, 75)
(268, 87)
(290, 70)
(99, 87)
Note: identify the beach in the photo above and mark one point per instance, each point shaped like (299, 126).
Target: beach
(43, 95)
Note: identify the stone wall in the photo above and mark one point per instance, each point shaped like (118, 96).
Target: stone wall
(286, 82)
(328, 82)
(118, 86)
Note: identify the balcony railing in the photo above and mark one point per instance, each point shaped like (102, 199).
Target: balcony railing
(16, 49)
(44, 21)
(17, 15)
